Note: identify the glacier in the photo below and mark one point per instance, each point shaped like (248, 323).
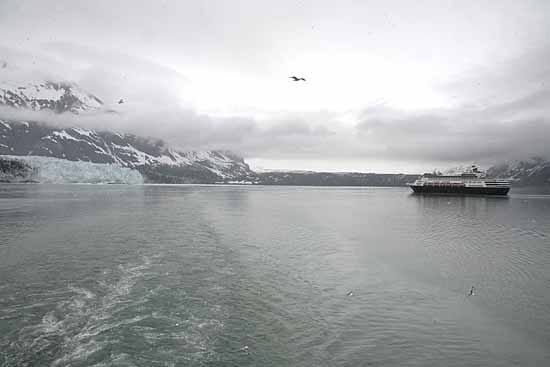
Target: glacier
(59, 171)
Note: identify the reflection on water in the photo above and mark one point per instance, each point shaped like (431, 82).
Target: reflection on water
(190, 275)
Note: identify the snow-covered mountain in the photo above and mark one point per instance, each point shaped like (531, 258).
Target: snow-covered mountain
(155, 161)
(58, 97)
(532, 172)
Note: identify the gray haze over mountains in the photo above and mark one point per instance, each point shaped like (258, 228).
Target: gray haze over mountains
(392, 86)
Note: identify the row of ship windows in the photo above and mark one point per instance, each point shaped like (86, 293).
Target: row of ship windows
(477, 184)
(466, 182)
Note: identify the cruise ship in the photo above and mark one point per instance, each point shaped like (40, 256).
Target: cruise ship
(471, 182)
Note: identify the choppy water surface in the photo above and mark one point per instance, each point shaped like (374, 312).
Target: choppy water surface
(259, 276)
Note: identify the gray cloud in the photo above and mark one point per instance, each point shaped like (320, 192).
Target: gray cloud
(517, 129)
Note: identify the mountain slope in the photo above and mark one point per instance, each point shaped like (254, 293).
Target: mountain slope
(153, 159)
(531, 172)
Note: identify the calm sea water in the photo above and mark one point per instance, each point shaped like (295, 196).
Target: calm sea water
(259, 276)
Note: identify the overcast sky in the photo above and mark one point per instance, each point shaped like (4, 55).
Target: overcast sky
(392, 86)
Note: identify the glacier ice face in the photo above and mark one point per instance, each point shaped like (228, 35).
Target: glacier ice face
(55, 170)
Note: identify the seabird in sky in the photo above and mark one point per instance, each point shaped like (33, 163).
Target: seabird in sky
(121, 101)
(296, 79)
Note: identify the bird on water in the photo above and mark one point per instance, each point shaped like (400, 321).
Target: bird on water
(245, 349)
(471, 292)
(296, 79)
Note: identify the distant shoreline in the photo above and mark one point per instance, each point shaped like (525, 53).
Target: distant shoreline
(516, 190)
(39, 169)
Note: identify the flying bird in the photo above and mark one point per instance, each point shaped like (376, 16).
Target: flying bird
(471, 292)
(121, 101)
(296, 79)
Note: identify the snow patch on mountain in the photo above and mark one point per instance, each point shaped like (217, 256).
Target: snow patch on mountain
(58, 97)
(63, 135)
